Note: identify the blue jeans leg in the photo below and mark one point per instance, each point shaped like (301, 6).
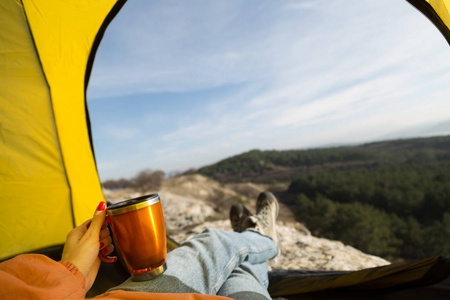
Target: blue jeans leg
(247, 282)
(204, 263)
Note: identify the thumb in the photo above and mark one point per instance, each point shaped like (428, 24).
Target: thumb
(99, 217)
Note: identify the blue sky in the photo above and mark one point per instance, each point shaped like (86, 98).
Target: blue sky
(181, 84)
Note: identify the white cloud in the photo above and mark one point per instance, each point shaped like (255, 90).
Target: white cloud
(121, 133)
(304, 5)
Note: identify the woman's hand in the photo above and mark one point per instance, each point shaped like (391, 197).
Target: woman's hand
(84, 242)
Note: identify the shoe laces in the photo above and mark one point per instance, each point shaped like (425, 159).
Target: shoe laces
(263, 214)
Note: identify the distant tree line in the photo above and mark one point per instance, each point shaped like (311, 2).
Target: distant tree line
(144, 181)
(255, 164)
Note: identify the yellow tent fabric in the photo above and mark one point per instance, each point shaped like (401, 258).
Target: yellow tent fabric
(438, 11)
(48, 178)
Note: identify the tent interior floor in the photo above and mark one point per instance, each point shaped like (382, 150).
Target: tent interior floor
(113, 274)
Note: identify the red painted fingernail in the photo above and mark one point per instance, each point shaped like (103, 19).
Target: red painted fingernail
(101, 245)
(101, 206)
(105, 251)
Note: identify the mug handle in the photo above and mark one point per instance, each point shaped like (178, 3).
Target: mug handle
(105, 258)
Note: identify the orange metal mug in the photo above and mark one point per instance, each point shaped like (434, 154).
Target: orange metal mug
(139, 232)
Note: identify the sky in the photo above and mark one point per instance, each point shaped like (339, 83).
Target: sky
(184, 84)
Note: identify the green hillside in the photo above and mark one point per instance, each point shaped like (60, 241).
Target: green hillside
(272, 165)
(389, 198)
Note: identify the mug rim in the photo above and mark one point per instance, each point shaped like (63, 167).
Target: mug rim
(133, 204)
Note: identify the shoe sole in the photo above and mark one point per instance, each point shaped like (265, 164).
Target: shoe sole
(236, 212)
(270, 198)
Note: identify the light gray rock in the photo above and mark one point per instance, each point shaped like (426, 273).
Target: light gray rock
(188, 210)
